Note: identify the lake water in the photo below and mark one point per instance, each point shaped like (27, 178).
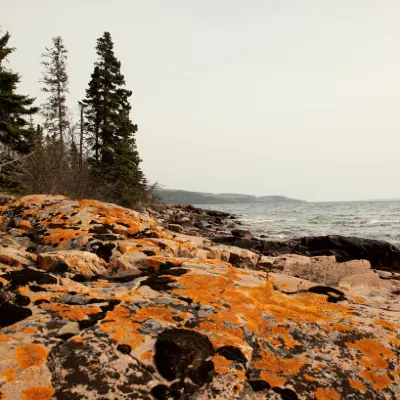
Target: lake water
(374, 220)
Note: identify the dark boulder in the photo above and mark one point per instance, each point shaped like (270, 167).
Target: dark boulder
(346, 248)
(242, 233)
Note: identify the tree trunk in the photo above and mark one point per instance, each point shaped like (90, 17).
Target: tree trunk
(81, 140)
(60, 118)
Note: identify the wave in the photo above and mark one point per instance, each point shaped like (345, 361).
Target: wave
(379, 221)
(372, 220)
(255, 221)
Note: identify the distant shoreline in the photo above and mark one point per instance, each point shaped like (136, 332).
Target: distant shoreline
(170, 196)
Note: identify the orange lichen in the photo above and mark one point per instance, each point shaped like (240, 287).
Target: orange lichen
(38, 393)
(221, 364)
(23, 290)
(147, 355)
(385, 324)
(5, 338)
(309, 378)
(327, 328)
(60, 237)
(272, 362)
(29, 330)
(30, 355)
(25, 225)
(275, 318)
(327, 394)
(73, 313)
(8, 375)
(395, 340)
(272, 378)
(378, 381)
(374, 353)
(356, 384)
(4, 281)
(288, 340)
(122, 327)
(358, 300)
(102, 284)
(240, 374)
(342, 327)
(156, 261)
(8, 260)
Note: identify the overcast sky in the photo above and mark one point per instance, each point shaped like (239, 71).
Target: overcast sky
(264, 97)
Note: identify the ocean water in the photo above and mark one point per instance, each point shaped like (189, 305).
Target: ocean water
(374, 220)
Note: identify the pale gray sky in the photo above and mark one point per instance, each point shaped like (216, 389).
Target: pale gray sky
(290, 97)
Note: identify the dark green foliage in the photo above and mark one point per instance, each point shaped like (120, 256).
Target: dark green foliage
(55, 81)
(100, 161)
(15, 131)
(16, 134)
(111, 132)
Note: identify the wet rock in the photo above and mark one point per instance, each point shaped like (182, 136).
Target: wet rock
(378, 253)
(242, 233)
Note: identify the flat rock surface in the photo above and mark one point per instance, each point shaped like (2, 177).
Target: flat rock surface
(180, 326)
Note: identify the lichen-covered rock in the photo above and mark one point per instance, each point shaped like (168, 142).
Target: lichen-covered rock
(76, 262)
(180, 327)
(15, 257)
(323, 270)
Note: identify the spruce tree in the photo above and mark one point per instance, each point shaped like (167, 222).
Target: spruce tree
(55, 84)
(17, 136)
(112, 133)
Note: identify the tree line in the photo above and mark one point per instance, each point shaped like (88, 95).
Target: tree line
(93, 156)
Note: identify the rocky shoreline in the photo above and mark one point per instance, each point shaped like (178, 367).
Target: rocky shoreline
(225, 228)
(102, 302)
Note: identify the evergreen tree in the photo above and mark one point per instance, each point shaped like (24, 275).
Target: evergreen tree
(17, 136)
(93, 112)
(55, 80)
(112, 133)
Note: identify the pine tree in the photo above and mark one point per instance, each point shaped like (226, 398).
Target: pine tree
(93, 112)
(55, 81)
(16, 134)
(112, 133)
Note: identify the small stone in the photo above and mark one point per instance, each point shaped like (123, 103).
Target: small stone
(22, 300)
(124, 348)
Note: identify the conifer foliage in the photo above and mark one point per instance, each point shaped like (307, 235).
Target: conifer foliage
(100, 161)
(111, 131)
(55, 84)
(17, 135)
